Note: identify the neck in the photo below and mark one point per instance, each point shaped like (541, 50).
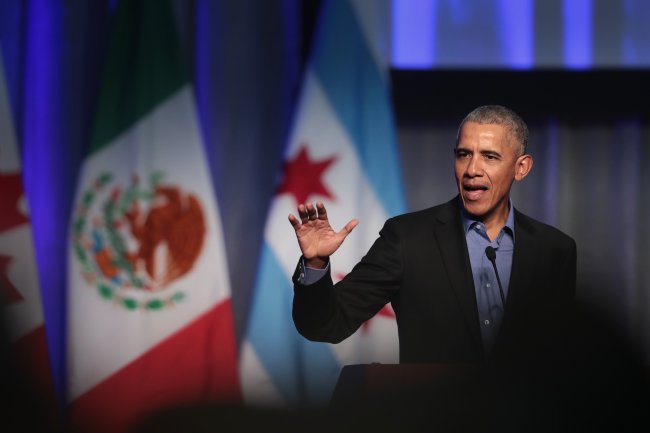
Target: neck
(495, 221)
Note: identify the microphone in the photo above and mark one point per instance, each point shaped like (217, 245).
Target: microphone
(492, 257)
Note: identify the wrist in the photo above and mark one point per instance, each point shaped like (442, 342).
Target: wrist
(316, 262)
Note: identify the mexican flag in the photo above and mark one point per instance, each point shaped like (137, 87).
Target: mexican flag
(150, 321)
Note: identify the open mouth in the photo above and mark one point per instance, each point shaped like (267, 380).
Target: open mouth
(474, 192)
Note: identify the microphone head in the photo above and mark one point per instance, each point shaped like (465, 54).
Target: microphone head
(490, 253)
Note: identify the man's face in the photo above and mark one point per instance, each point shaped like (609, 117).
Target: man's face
(486, 165)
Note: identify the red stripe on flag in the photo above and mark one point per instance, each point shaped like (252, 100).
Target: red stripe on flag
(197, 364)
(29, 384)
(32, 358)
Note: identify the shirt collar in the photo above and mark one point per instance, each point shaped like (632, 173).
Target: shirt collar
(469, 221)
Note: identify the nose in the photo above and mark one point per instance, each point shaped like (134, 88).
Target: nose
(473, 168)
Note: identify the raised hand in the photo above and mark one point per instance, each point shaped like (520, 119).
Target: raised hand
(316, 237)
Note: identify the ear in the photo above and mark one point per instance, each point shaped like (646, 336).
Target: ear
(523, 166)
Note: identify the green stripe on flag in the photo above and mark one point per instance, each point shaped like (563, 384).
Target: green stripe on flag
(144, 66)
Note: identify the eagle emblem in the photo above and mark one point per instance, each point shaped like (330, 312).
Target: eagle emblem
(135, 243)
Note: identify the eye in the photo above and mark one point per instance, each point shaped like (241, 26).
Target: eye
(460, 153)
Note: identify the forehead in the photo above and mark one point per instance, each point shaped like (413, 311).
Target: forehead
(473, 133)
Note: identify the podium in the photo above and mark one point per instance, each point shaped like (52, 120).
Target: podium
(376, 382)
(535, 396)
(409, 397)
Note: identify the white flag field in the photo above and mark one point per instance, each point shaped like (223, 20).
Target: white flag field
(342, 151)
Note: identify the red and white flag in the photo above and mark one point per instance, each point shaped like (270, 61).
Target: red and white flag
(20, 296)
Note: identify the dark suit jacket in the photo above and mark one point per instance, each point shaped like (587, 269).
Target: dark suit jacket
(420, 263)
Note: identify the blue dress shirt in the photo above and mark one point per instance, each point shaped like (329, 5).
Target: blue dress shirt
(488, 298)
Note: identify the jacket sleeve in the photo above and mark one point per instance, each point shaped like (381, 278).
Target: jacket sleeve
(330, 313)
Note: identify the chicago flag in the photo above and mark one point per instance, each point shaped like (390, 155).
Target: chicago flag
(150, 321)
(342, 151)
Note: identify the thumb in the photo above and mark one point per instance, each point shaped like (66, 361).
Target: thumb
(348, 228)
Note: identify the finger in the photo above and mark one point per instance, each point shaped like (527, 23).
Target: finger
(322, 212)
(311, 211)
(294, 222)
(348, 228)
(302, 213)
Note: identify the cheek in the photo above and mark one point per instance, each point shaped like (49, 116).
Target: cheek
(501, 181)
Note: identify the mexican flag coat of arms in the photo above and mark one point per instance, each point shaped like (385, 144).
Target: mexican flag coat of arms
(150, 322)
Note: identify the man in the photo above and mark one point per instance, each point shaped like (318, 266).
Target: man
(432, 265)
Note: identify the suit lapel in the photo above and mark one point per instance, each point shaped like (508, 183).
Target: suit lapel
(521, 277)
(453, 249)
(523, 260)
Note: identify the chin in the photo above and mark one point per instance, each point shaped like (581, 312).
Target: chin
(476, 211)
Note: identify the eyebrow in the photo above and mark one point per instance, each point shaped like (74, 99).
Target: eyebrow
(490, 153)
(482, 152)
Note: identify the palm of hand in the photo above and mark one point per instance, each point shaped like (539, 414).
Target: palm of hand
(316, 238)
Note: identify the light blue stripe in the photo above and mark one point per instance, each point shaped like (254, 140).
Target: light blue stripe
(304, 372)
(359, 95)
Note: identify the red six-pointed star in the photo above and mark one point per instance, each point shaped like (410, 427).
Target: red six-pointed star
(303, 177)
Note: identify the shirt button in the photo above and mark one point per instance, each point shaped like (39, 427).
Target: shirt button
(486, 323)
(488, 285)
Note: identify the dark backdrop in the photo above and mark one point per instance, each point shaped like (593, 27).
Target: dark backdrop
(590, 139)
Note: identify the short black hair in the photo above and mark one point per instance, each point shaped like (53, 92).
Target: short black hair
(499, 115)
